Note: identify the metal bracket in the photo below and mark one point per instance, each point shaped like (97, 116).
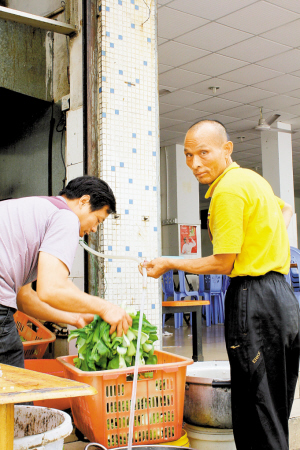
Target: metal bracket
(169, 221)
(36, 21)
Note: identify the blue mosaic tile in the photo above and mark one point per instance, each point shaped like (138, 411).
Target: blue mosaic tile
(103, 78)
(134, 150)
(146, 188)
(136, 7)
(100, 90)
(149, 108)
(120, 2)
(132, 25)
(100, 8)
(103, 53)
(132, 1)
(140, 254)
(112, 91)
(155, 228)
(130, 180)
(130, 202)
(145, 63)
(149, 133)
(107, 8)
(112, 45)
(153, 306)
(118, 269)
(120, 37)
(127, 249)
(121, 164)
(117, 112)
(129, 84)
(113, 169)
(110, 248)
(109, 260)
(134, 135)
(103, 114)
(108, 34)
(148, 39)
(154, 188)
(153, 153)
(120, 72)
(126, 211)
(137, 81)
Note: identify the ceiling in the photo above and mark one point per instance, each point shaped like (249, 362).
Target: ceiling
(249, 49)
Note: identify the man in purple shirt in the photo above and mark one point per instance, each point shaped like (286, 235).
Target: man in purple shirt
(38, 241)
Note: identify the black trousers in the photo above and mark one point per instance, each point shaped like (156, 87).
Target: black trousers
(263, 344)
(11, 347)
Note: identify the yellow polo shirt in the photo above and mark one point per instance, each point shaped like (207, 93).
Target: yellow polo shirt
(245, 218)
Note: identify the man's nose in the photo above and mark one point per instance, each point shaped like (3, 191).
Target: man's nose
(94, 229)
(196, 162)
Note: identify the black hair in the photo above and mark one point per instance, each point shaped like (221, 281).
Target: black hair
(211, 120)
(100, 193)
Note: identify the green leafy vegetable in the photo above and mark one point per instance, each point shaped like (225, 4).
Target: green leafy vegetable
(98, 350)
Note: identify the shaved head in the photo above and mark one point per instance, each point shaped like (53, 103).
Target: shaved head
(208, 150)
(212, 128)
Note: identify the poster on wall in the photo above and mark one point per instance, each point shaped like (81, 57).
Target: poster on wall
(188, 239)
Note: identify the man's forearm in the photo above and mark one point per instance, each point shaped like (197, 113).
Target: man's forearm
(213, 264)
(67, 297)
(29, 303)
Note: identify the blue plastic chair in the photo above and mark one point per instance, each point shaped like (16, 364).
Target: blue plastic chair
(183, 289)
(205, 295)
(225, 284)
(210, 287)
(169, 291)
(215, 286)
(294, 272)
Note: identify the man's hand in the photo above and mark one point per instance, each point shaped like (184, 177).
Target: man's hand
(156, 267)
(81, 320)
(117, 317)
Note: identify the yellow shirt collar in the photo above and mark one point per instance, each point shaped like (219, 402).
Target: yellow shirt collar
(208, 194)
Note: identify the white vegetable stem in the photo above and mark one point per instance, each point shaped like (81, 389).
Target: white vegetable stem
(137, 361)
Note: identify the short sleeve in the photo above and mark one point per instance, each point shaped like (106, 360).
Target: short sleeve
(62, 236)
(226, 223)
(280, 202)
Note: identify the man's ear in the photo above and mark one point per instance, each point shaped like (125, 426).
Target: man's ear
(228, 147)
(84, 200)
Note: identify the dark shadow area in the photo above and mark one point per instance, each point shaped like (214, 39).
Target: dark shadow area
(24, 146)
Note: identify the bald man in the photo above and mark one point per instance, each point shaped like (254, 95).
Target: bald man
(247, 226)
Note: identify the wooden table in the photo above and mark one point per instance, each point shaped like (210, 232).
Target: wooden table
(21, 385)
(195, 307)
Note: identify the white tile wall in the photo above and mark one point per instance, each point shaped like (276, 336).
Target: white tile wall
(128, 124)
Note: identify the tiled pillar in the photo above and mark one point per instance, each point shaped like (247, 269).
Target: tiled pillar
(128, 147)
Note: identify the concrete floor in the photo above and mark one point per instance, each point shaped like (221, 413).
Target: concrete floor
(180, 343)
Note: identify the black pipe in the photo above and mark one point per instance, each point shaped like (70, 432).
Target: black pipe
(84, 82)
(50, 151)
(84, 110)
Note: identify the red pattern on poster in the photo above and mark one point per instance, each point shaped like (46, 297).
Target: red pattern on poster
(188, 239)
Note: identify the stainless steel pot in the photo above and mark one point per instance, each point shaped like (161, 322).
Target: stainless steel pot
(208, 395)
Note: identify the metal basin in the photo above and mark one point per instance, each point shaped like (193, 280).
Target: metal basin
(94, 446)
(207, 400)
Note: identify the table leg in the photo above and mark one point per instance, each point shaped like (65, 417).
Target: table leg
(197, 334)
(7, 426)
